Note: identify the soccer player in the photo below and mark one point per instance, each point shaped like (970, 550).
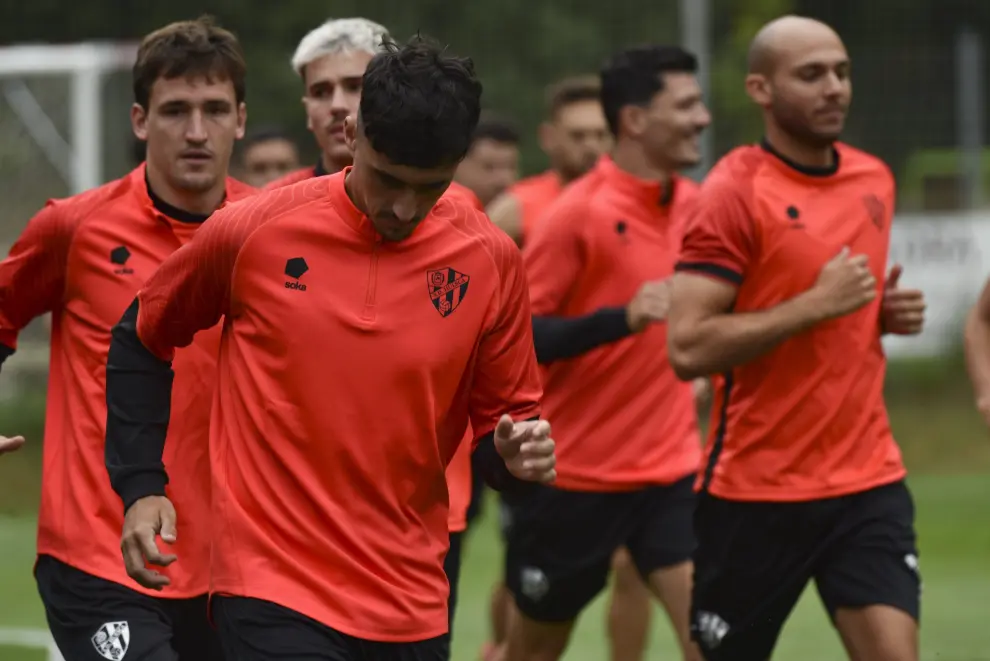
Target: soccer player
(627, 428)
(573, 137)
(83, 259)
(492, 162)
(779, 289)
(331, 61)
(329, 496)
(266, 155)
(10, 443)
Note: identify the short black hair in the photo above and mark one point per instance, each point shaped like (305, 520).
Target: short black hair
(419, 104)
(635, 76)
(497, 129)
(264, 134)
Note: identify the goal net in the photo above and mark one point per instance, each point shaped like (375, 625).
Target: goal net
(64, 128)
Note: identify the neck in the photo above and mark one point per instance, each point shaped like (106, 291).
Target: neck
(630, 157)
(349, 189)
(811, 156)
(332, 166)
(202, 203)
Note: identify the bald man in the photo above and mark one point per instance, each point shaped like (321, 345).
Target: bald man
(781, 290)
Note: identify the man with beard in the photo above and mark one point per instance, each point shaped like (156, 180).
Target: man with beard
(780, 288)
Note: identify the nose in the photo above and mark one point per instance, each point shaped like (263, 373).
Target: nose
(196, 128)
(704, 117)
(404, 207)
(833, 84)
(338, 101)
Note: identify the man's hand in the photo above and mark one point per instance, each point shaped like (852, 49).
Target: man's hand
(10, 444)
(844, 285)
(903, 310)
(527, 449)
(649, 305)
(148, 518)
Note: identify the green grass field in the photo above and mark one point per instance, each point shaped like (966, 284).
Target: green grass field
(945, 444)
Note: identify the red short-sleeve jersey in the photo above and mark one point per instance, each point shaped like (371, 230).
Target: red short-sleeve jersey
(806, 420)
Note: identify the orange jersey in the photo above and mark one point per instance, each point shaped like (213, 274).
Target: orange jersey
(459, 470)
(807, 420)
(534, 195)
(621, 418)
(294, 177)
(84, 259)
(330, 496)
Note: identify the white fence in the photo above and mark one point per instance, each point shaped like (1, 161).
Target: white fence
(31, 638)
(947, 256)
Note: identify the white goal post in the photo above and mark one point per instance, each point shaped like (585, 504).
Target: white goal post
(79, 158)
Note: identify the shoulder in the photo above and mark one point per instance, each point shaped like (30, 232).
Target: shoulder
(861, 164)
(535, 185)
(238, 190)
(579, 204)
(293, 177)
(239, 218)
(473, 228)
(464, 194)
(70, 212)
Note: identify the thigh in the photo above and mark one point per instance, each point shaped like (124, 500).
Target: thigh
(452, 567)
(750, 568)
(664, 536)
(257, 630)
(873, 557)
(559, 550)
(92, 619)
(193, 636)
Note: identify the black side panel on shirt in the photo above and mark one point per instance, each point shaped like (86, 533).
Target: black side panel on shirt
(139, 397)
(560, 338)
(492, 467)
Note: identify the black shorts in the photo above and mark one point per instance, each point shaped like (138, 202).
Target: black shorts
(452, 567)
(93, 619)
(257, 630)
(754, 560)
(560, 543)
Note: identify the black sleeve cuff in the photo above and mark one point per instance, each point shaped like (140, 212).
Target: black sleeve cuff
(137, 485)
(560, 338)
(490, 464)
(5, 353)
(715, 270)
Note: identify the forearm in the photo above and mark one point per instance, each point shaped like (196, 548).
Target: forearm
(976, 341)
(139, 393)
(722, 342)
(560, 338)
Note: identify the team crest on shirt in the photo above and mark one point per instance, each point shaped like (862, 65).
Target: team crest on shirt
(447, 289)
(111, 640)
(875, 209)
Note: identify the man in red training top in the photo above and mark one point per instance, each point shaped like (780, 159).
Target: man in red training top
(779, 289)
(330, 500)
(627, 428)
(331, 60)
(574, 135)
(83, 259)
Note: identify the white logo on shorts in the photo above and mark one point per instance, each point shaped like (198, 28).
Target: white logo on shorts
(111, 640)
(712, 629)
(535, 583)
